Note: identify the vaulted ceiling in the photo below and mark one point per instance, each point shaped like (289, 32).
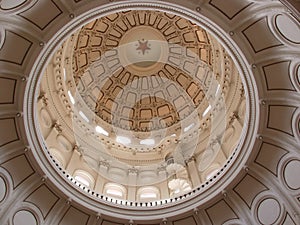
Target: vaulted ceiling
(262, 187)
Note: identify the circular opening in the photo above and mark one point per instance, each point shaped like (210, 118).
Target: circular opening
(73, 117)
(145, 106)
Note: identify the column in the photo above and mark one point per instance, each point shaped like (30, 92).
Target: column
(163, 186)
(132, 177)
(193, 172)
(101, 176)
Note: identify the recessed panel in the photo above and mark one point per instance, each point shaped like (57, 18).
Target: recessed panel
(18, 173)
(43, 198)
(268, 211)
(230, 8)
(11, 4)
(3, 189)
(220, 213)
(278, 76)
(24, 217)
(7, 90)
(260, 37)
(281, 117)
(269, 156)
(288, 27)
(11, 134)
(51, 13)
(290, 173)
(75, 217)
(15, 48)
(248, 188)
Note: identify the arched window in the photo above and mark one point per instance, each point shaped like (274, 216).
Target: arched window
(84, 178)
(149, 193)
(115, 190)
(58, 157)
(211, 171)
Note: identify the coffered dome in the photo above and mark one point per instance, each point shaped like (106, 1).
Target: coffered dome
(149, 112)
(153, 102)
(136, 69)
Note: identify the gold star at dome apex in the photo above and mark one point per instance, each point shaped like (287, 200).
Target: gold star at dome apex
(143, 46)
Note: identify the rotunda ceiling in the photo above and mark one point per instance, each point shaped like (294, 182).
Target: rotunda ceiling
(66, 160)
(145, 93)
(139, 62)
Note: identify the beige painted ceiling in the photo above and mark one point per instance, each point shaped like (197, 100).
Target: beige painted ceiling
(154, 93)
(263, 190)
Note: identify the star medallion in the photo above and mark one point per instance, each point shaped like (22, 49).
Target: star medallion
(143, 46)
